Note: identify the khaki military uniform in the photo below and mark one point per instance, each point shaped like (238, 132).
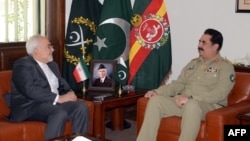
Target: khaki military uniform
(208, 82)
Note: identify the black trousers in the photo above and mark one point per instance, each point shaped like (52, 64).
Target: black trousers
(57, 115)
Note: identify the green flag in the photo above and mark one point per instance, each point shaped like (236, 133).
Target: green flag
(112, 40)
(150, 57)
(81, 30)
(121, 75)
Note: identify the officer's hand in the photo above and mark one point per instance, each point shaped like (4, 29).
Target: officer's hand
(149, 94)
(180, 101)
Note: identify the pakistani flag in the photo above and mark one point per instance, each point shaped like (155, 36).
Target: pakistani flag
(112, 40)
(81, 30)
(150, 56)
(121, 75)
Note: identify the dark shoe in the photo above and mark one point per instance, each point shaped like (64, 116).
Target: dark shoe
(126, 124)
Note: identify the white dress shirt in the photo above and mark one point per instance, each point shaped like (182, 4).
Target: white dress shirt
(52, 79)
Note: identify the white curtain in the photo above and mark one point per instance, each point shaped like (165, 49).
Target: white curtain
(20, 19)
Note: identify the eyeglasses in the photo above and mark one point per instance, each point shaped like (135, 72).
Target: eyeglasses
(49, 46)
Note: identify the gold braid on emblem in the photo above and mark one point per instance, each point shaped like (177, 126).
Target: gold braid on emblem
(70, 58)
(86, 22)
(87, 58)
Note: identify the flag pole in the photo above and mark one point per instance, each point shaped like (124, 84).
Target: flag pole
(83, 89)
(120, 90)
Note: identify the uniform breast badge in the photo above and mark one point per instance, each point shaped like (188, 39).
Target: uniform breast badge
(211, 69)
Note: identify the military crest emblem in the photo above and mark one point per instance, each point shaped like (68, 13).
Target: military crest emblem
(152, 30)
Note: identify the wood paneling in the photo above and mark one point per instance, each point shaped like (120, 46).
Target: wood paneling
(9, 53)
(55, 27)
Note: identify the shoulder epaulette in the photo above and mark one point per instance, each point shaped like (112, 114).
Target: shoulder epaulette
(195, 59)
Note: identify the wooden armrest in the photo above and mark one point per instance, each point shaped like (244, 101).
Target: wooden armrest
(141, 107)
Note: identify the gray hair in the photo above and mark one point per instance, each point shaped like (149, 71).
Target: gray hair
(32, 43)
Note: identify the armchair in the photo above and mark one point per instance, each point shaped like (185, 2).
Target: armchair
(212, 128)
(26, 130)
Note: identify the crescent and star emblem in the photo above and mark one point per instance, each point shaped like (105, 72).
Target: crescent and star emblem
(125, 27)
(79, 38)
(122, 74)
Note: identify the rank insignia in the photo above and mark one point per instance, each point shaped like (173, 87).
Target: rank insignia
(191, 67)
(217, 59)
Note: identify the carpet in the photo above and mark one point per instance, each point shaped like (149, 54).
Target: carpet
(122, 135)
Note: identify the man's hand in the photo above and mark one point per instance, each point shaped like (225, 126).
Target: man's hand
(181, 100)
(69, 96)
(149, 94)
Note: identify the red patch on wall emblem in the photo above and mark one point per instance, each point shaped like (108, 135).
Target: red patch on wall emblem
(151, 31)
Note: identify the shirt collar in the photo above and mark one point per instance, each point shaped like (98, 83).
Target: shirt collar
(216, 58)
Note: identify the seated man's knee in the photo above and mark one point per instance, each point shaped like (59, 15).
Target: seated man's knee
(193, 106)
(156, 100)
(59, 114)
(81, 106)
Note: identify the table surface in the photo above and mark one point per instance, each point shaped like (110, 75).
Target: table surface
(114, 94)
(244, 116)
(115, 101)
(242, 69)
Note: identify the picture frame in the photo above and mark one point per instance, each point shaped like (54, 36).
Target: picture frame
(243, 6)
(96, 68)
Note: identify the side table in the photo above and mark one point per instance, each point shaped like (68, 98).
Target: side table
(244, 118)
(115, 103)
(242, 69)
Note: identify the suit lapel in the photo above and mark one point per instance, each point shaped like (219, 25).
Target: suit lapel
(37, 67)
(53, 68)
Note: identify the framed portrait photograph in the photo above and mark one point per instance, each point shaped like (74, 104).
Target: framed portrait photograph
(101, 75)
(243, 6)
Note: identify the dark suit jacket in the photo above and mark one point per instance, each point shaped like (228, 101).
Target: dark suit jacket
(107, 82)
(30, 87)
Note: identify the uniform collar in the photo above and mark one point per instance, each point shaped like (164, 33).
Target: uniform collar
(216, 58)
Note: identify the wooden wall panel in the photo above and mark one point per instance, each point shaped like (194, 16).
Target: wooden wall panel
(9, 55)
(55, 27)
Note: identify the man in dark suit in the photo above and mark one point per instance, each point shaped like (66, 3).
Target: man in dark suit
(40, 93)
(103, 80)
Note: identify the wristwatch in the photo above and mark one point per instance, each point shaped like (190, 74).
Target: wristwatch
(190, 97)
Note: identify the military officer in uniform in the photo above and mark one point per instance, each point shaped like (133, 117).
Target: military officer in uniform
(202, 86)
